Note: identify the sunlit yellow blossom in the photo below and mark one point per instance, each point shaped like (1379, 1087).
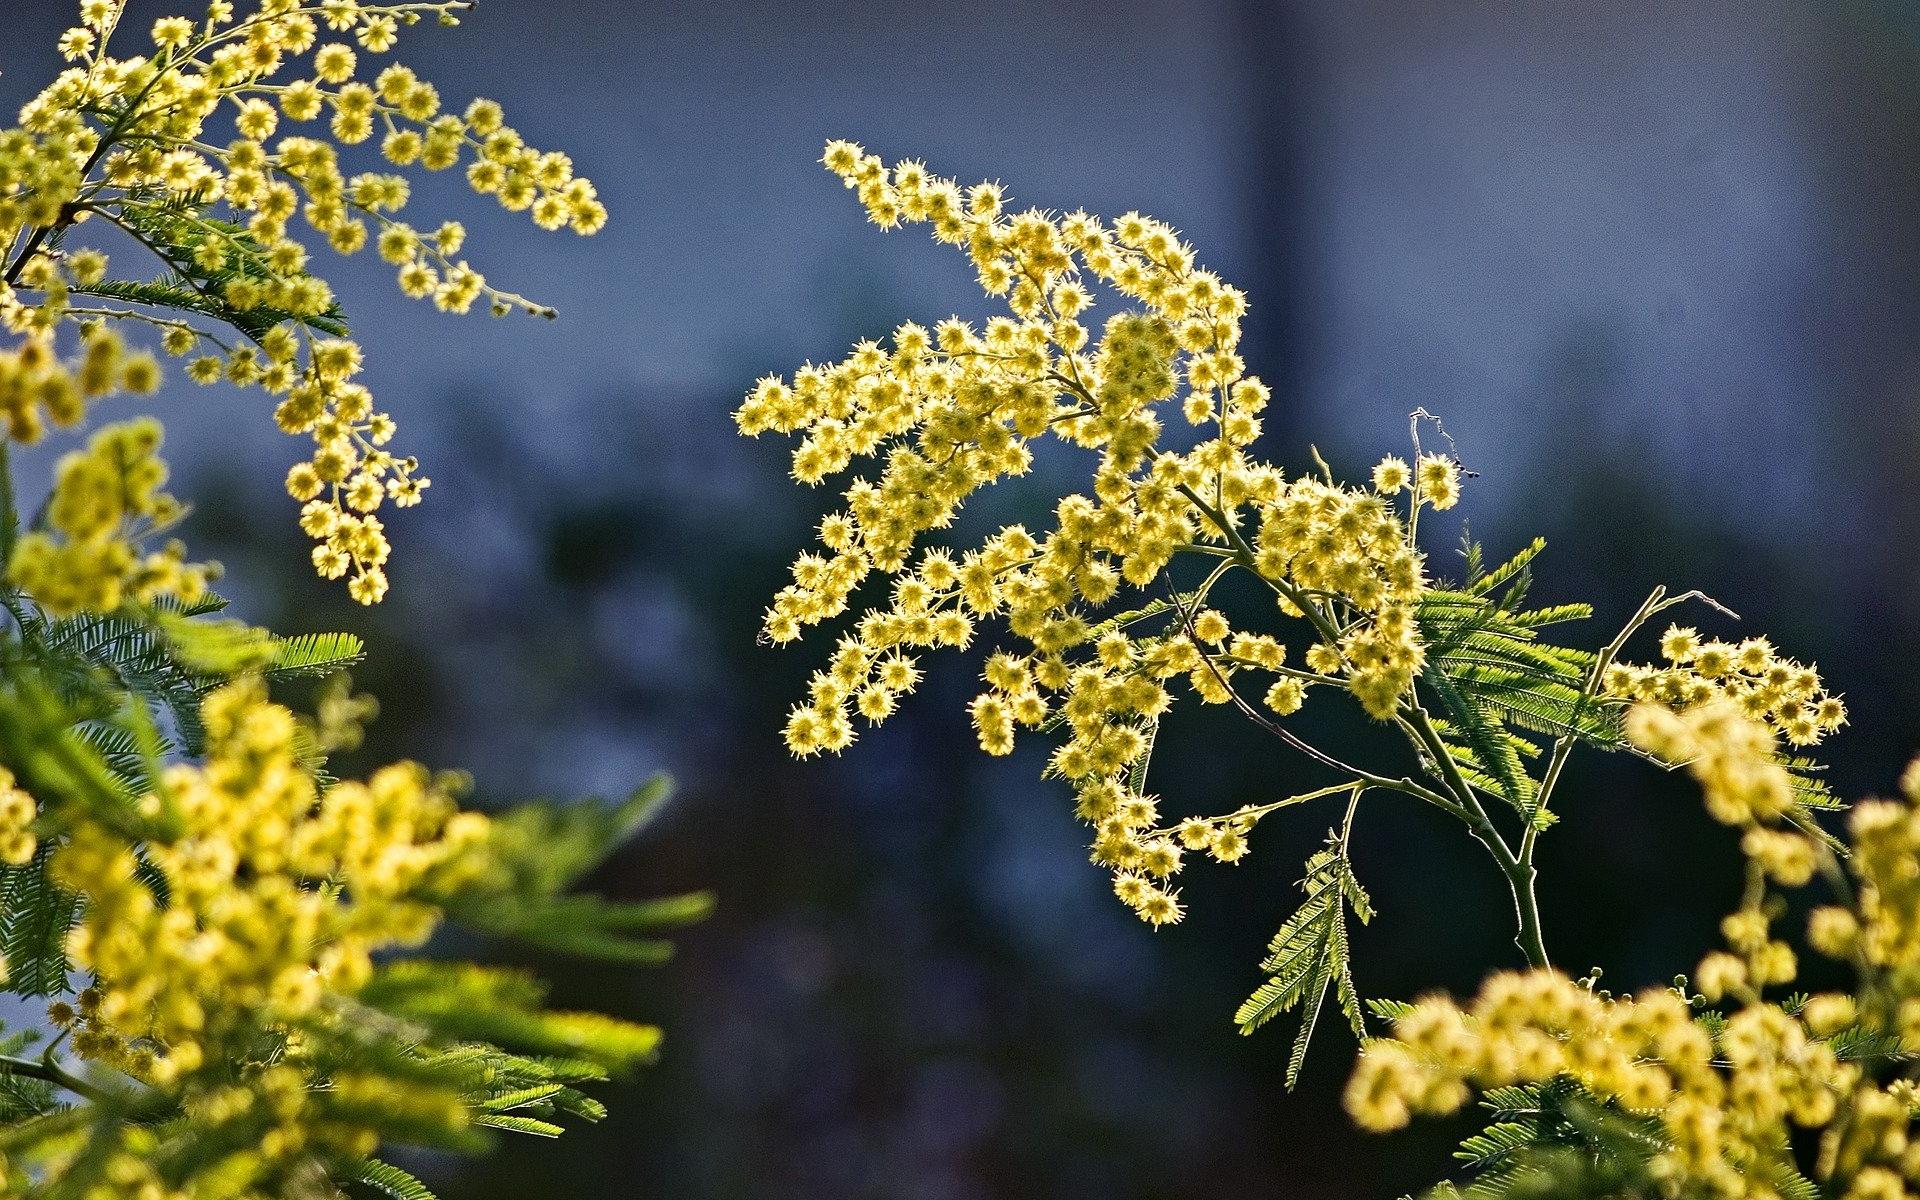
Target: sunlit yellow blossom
(106, 501)
(1723, 1101)
(172, 843)
(147, 140)
(949, 410)
(1750, 676)
(17, 814)
(1739, 1082)
(1437, 479)
(1731, 755)
(277, 892)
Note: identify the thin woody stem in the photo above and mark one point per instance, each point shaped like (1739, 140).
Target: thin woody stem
(48, 1071)
(1465, 803)
(1519, 871)
(9, 513)
(1359, 774)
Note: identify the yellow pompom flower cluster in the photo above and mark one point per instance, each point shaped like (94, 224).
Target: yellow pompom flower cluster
(950, 410)
(1724, 1102)
(1735, 1092)
(38, 388)
(106, 501)
(1786, 695)
(1730, 755)
(953, 410)
(1437, 480)
(1881, 931)
(277, 892)
(17, 814)
(1879, 934)
(39, 176)
(351, 474)
(1736, 761)
(133, 142)
(1331, 540)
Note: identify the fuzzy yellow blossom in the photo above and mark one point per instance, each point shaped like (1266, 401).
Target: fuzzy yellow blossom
(1730, 755)
(222, 150)
(106, 500)
(38, 388)
(17, 814)
(1438, 479)
(1391, 475)
(1750, 675)
(949, 410)
(277, 892)
(1728, 1093)
(1882, 931)
(1743, 1090)
(1724, 1100)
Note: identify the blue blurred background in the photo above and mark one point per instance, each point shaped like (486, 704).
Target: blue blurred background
(1656, 264)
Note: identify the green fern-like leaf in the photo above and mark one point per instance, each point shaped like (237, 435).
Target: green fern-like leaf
(1496, 1144)
(1502, 575)
(389, 1180)
(314, 654)
(36, 915)
(526, 1125)
(1792, 1185)
(542, 850)
(521, 1097)
(1555, 1140)
(1389, 1010)
(1475, 556)
(1557, 614)
(1867, 1045)
(464, 1002)
(1489, 751)
(121, 750)
(1309, 957)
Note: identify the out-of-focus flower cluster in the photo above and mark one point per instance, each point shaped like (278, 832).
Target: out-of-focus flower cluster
(143, 143)
(168, 835)
(17, 814)
(950, 410)
(38, 388)
(1785, 695)
(1729, 754)
(1734, 1075)
(1725, 1100)
(106, 502)
(277, 894)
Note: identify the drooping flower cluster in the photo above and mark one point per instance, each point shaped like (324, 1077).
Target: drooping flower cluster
(140, 143)
(107, 500)
(276, 893)
(1786, 695)
(1735, 759)
(949, 411)
(1881, 930)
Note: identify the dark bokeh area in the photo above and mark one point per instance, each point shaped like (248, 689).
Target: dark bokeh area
(1657, 265)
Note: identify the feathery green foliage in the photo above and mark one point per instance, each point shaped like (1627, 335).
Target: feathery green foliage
(1109, 607)
(226, 937)
(1310, 955)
